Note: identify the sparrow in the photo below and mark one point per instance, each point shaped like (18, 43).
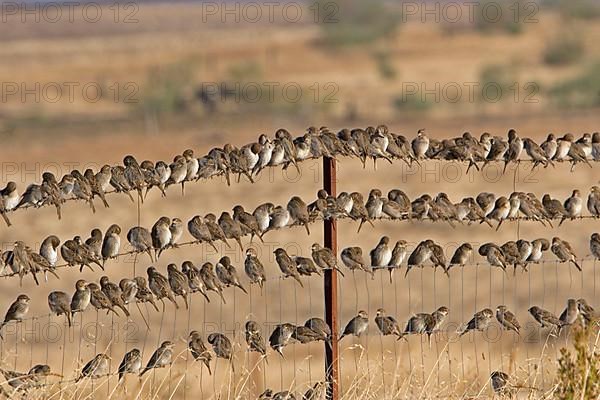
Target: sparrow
(176, 229)
(161, 235)
(324, 258)
(227, 273)
(587, 312)
(141, 240)
(17, 311)
(507, 319)
(352, 257)
(419, 256)
(500, 385)
(111, 243)
(211, 282)
(564, 252)
(437, 256)
(95, 187)
(357, 325)
(254, 338)
(247, 221)
(515, 147)
(49, 249)
(438, 318)
(254, 268)
(554, 208)
(192, 165)
(387, 324)
(99, 300)
(97, 367)
(159, 285)
(359, 211)
(161, 357)
(511, 253)
(493, 255)
(500, 212)
(287, 265)
(536, 153)
(131, 363)
(480, 321)
(420, 144)
(143, 293)
(113, 293)
(129, 290)
(576, 151)
(571, 313)
(94, 243)
(81, 298)
(198, 349)
(374, 204)
(595, 245)
(306, 266)
(281, 336)
(381, 255)
(549, 146)
(299, 212)
(60, 303)
(418, 324)
(231, 228)
(486, 202)
(573, 206)
(545, 318)
(321, 328)
(195, 283)
(178, 283)
(9, 199)
(221, 346)
(279, 217)
(593, 202)
(304, 334)
(538, 246)
(178, 172)
(462, 255)
(596, 146)
(215, 229)
(82, 189)
(32, 197)
(199, 230)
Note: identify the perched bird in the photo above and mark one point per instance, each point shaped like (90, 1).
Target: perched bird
(387, 324)
(352, 257)
(60, 303)
(316, 392)
(320, 327)
(480, 321)
(159, 285)
(381, 255)
(587, 312)
(247, 221)
(97, 367)
(419, 256)
(227, 273)
(306, 266)
(357, 325)
(593, 202)
(438, 318)
(493, 254)
(131, 363)
(141, 240)
(573, 206)
(254, 338)
(538, 246)
(221, 346)
(176, 229)
(437, 256)
(178, 283)
(571, 313)
(215, 229)
(111, 243)
(9, 199)
(287, 265)
(113, 293)
(210, 280)
(281, 336)
(199, 230)
(418, 324)
(304, 334)
(195, 283)
(81, 298)
(536, 153)
(161, 357)
(198, 349)
(500, 383)
(462, 255)
(299, 212)
(17, 311)
(507, 319)
(254, 268)
(99, 300)
(129, 289)
(545, 318)
(161, 235)
(399, 253)
(143, 293)
(232, 229)
(420, 144)
(564, 252)
(49, 249)
(324, 258)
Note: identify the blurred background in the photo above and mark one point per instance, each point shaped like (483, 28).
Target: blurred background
(84, 85)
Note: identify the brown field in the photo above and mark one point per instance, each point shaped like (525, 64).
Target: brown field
(64, 135)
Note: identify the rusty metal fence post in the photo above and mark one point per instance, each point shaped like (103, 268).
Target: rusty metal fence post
(330, 287)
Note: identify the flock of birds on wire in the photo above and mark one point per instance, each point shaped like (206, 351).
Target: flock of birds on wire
(284, 150)
(167, 233)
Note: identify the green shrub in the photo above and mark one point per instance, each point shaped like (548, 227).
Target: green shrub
(563, 50)
(583, 91)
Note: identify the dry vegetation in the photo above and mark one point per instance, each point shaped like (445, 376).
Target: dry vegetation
(168, 55)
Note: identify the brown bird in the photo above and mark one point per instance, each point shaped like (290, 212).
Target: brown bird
(111, 243)
(161, 357)
(97, 367)
(227, 273)
(222, 347)
(254, 268)
(199, 230)
(231, 228)
(247, 222)
(480, 321)
(387, 324)
(500, 384)
(211, 282)
(143, 294)
(99, 299)
(60, 303)
(254, 338)
(178, 283)
(215, 229)
(545, 318)
(287, 265)
(161, 235)
(352, 257)
(131, 363)
(141, 240)
(198, 349)
(564, 252)
(159, 285)
(299, 212)
(357, 325)
(195, 283)
(507, 319)
(281, 336)
(17, 311)
(324, 258)
(113, 293)
(81, 298)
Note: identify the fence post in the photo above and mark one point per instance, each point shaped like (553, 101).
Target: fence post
(330, 287)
